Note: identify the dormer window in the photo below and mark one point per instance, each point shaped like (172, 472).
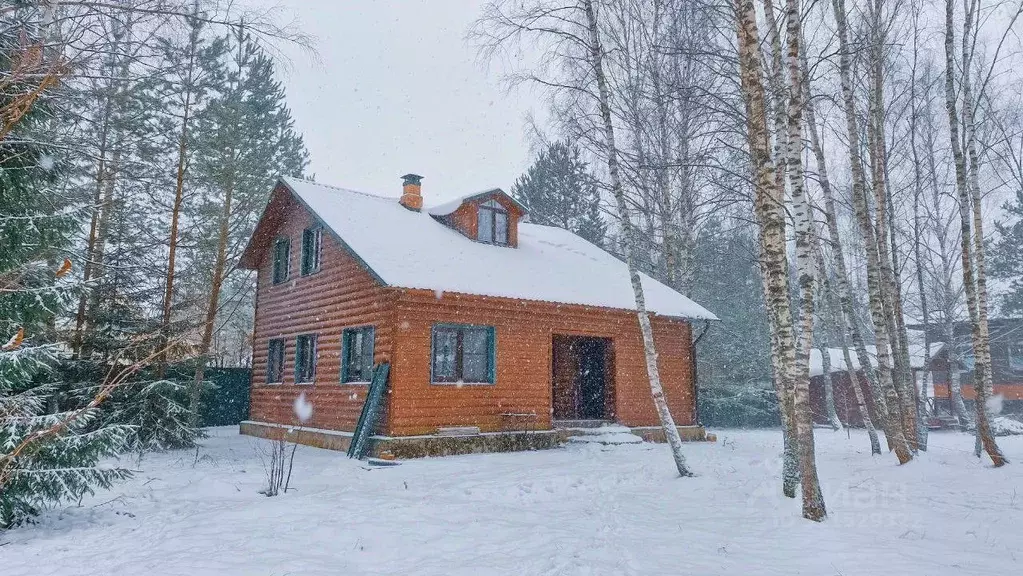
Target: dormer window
(492, 223)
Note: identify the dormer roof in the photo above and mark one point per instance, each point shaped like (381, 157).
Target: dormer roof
(448, 208)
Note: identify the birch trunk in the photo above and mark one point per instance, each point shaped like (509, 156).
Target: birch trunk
(829, 386)
(778, 103)
(893, 427)
(629, 240)
(855, 383)
(889, 289)
(921, 411)
(858, 392)
(813, 500)
(956, 391)
(845, 300)
(768, 204)
(790, 459)
(976, 294)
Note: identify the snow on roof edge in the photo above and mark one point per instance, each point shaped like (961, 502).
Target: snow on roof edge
(655, 289)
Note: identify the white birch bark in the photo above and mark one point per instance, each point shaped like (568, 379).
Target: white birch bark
(888, 287)
(778, 103)
(827, 381)
(813, 500)
(838, 319)
(842, 305)
(972, 240)
(768, 204)
(893, 427)
(667, 422)
(922, 412)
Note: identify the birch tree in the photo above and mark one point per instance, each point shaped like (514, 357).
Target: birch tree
(769, 208)
(893, 423)
(842, 312)
(972, 241)
(573, 31)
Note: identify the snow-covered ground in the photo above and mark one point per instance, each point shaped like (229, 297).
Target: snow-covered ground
(584, 509)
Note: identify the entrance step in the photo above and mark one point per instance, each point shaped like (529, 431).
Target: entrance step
(579, 424)
(608, 434)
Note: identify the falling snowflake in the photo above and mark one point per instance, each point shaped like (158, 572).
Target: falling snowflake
(303, 408)
(995, 404)
(46, 162)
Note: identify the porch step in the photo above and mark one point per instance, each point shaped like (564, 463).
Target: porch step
(608, 434)
(578, 424)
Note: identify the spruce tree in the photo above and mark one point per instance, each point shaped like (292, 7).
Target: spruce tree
(558, 190)
(49, 449)
(733, 356)
(1007, 256)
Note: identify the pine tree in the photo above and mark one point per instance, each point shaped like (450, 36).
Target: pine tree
(48, 453)
(195, 62)
(248, 140)
(558, 190)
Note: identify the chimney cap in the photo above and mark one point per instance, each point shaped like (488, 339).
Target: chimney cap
(414, 179)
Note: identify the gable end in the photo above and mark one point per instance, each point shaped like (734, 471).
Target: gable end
(282, 200)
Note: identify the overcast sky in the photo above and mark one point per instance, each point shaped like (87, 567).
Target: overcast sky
(396, 88)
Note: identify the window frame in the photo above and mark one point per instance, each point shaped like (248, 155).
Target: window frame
(287, 261)
(460, 329)
(368, 331)
(1014, 356)
(310, 377)
(317, 238)
(490, 209)
(281, 359)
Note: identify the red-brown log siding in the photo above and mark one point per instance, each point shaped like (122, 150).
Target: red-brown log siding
(466, 218)
(341, 294)
(344, 294)
(524, 334)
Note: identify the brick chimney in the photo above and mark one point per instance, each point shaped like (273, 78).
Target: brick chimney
(411, 195)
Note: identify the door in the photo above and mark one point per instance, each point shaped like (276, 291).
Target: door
(580, 378)
(590, 377)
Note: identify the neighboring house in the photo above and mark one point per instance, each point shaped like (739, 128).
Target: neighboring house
(1006, 364)
(845, 398)
(490, 324)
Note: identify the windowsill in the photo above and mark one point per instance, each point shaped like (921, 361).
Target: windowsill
(356, 383)
(274, 384)
(310, 273)
(460, 384)
(306, 383)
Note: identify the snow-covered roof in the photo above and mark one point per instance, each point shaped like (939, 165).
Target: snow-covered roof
(409, 249)
(916, 357)
(449, 207)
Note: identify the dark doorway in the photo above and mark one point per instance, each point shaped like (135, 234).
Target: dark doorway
(581, 378)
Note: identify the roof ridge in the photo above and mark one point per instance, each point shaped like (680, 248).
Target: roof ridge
(339, 188)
